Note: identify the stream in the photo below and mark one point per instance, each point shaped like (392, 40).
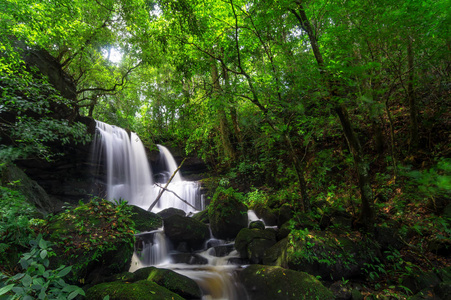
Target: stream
(128, 175)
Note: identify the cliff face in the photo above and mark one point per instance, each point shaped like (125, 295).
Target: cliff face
(67, 178)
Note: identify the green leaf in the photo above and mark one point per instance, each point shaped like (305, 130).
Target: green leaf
(42, 243)
(43, 254)
(6, 289)
(64, 271)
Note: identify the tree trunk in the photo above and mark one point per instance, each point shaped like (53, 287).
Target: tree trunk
(229, 151)
(412, 102)
(362, 167)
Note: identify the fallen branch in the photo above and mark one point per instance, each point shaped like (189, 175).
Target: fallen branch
(186, 202)
(165, 187)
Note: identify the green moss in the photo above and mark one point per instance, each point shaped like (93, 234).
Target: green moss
(140, 290)
(171, 280)
(266, 282)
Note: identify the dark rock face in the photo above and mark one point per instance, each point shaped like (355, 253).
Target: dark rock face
(253, 243)
(32, 191)
(227, 216)
(273, 283)
(51, 68)
(180, 229)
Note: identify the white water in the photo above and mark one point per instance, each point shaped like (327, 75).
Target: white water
(129, 177)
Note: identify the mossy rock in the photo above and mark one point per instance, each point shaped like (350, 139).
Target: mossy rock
(171, 280)
(202, 216)
(257, 225)
(181, 229)
(169, 212)
(227, 215)
(146, 220)
(276, 283)
(265, 213)
(253, 243)
(95, 238)
(140, 290)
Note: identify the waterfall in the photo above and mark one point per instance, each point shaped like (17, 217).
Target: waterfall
(128, 174)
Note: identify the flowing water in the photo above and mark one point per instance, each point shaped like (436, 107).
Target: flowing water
(128, 176)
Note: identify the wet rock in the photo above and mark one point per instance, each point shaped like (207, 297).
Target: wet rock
(169, 212)
(253, 243)
(140, 290)
(257, 225)
(223, 250)
(183, 229)
(267, 214)
(227, 215)
(274, 283)
(170, 280)
(146, 220)
(188, 258)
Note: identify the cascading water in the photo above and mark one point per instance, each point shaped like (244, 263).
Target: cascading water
(129, 177)
(128, 174)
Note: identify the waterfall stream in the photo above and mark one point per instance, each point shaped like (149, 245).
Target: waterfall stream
(128, 176)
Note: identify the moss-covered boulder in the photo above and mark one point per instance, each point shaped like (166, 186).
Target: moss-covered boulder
(171, 280)
(257, 225)
(202, 216)
(265, 213)
(253, 243)
(181, 229)
(227, 214)
(169, 212)
(274, 283)
(140, 290)
(145, 220)
(95, 238)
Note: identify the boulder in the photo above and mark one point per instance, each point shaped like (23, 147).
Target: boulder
(227, 215)
(257, 225)
(202, 216)
(140, 290)
(17, 180)
(146, 220)
(274, 283)
(181, 229)
(177, 283)
(265, 213)
(168, 212)
(252, 243)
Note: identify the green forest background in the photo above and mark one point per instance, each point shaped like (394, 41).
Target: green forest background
(326, 106)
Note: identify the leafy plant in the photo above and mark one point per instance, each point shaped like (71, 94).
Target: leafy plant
(38, 281)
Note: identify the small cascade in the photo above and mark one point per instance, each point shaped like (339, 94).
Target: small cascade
(178, 188)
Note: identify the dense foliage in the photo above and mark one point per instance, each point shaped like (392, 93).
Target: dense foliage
(326, 107)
